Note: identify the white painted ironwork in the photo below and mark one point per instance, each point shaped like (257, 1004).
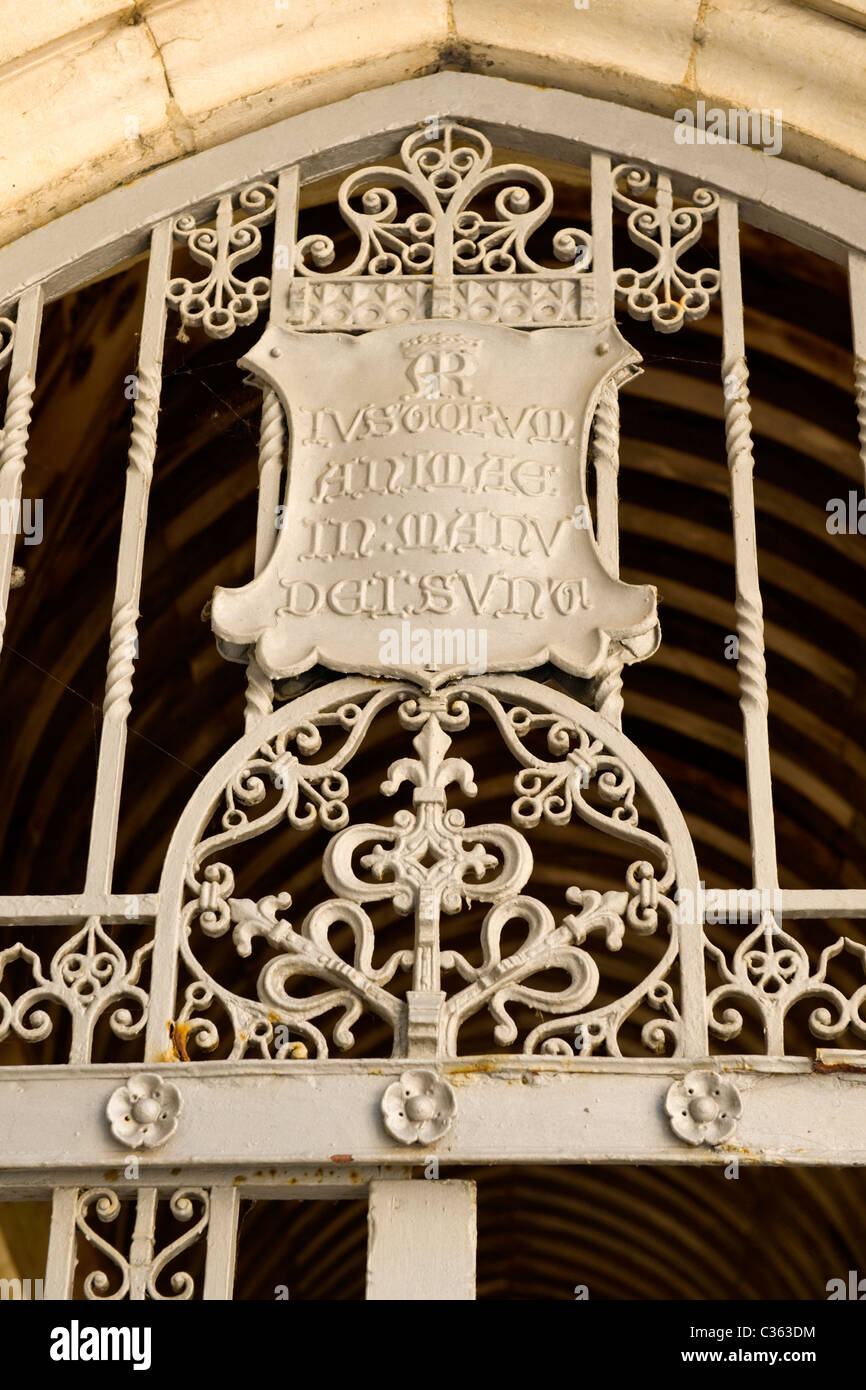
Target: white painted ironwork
(124, 614)
(704, 1107)
(857, 281)
(446, 259)
(21, 344)
(489, 863)
(272, 439)
(666, 294)
(279, 1101)
(422, 1241)
(221, 301)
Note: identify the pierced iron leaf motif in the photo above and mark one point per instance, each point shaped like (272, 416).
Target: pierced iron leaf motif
(429, 862)
(665, 293)
(135, 1275)
(221, 301)
(88, 975)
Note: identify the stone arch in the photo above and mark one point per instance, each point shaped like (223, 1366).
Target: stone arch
(97, 94)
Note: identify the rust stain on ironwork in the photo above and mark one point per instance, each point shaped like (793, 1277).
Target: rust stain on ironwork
(749, 1155)
(858, 1068)
(485, 1066)
(177, 1036)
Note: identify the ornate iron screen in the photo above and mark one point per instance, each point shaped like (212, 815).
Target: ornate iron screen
(434, 409)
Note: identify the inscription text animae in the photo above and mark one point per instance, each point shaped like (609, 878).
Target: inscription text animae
(436, 472)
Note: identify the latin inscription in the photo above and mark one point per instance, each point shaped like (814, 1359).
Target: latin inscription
(436, 487)
(484, 488)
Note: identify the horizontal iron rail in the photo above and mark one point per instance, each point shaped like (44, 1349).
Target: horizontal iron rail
(241, 1121)
(46, 909)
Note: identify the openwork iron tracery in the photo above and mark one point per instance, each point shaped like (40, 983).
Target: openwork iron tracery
(427, 862)
(267, 977)
(444, 255)
(89, 977)
(222, 301)
(443, 231)
(666, 293)
(140, 1270)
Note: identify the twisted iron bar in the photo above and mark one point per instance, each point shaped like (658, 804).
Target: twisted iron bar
(860, 392)
(142, 443)
(13, 451)
(259, 699)
(751, 665)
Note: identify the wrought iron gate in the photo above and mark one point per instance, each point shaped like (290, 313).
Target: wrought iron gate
(594, 1075)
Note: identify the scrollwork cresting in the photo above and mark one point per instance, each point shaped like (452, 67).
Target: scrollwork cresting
(428, 245)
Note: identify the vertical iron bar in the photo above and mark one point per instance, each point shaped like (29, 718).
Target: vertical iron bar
(16, 428)
(751, 667)
(142, 1243)
(605, 450)
(125, 612)
(222, 1232)
(421, 1239)
(605, 461)
(60, 1265)
(857, 289)
(285, 237)
(751, 664)
(272, 443)
(272, 438)
(607, 692)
